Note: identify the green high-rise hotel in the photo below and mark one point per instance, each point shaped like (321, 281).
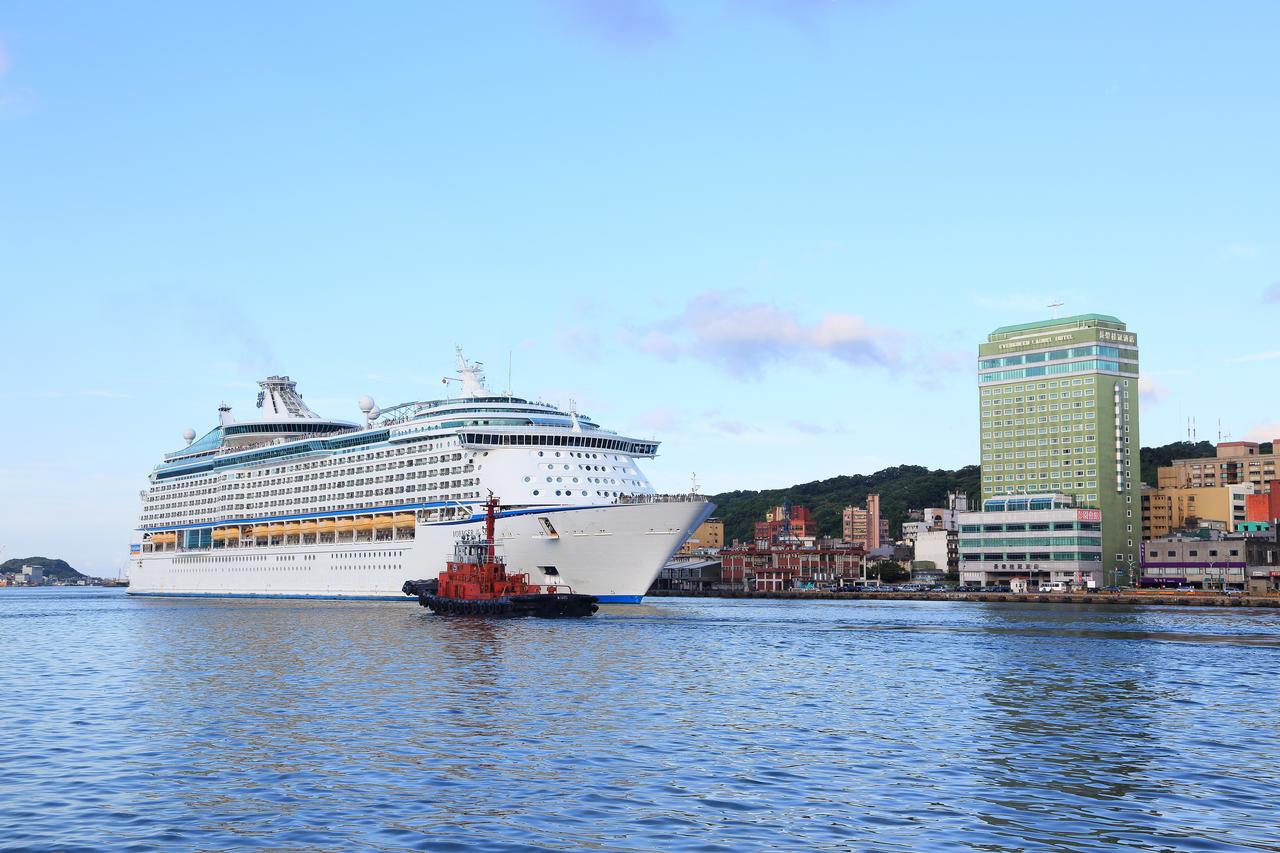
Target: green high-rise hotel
(1059, 414)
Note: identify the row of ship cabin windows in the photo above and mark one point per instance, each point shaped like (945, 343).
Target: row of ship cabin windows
(154, 512)
(157, 511)
(345, 459)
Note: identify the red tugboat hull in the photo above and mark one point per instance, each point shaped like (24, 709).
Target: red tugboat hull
(543, 605)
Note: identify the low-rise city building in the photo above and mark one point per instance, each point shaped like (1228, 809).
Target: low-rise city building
(780, 567)
(1235, 462)
(707, 538)
(786, 523)
(1265, 505)
(1040, 538)
(1210, 560)
(1169, 509)
(938, 548)
(689, 575)
(865, 527)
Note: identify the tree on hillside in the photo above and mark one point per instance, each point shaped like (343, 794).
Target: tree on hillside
(53, 568)
(887, 571)
(1154, 458)
(901, 488)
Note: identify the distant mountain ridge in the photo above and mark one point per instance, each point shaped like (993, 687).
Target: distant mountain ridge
(53, 568)
(901, 488)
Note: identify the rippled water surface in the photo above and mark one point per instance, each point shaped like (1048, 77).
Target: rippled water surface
(678, 724)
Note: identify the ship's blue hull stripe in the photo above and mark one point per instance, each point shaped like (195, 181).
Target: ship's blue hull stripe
(514, 512)
(604, 599)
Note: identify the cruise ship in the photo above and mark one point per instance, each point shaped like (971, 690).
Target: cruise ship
(289, 504)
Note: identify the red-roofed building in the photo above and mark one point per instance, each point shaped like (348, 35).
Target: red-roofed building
(786, 524)
(787, 567)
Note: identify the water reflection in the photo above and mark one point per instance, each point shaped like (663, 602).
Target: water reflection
(674, 725)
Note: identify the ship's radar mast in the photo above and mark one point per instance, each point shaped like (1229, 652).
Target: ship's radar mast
(471, 375)
(279, 400)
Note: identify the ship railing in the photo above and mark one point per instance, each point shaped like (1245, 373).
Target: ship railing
(688, 497)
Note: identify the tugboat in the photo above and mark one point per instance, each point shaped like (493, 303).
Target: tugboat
(476, 583)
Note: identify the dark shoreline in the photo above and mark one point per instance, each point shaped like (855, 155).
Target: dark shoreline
(1147, 599)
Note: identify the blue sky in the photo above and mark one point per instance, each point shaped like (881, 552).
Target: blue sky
(769, 233)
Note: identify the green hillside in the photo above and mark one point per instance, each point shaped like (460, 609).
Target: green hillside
(1154, 457)
(901, 488)
(52, 568)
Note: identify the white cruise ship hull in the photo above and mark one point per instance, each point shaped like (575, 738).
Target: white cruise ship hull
(613, 552)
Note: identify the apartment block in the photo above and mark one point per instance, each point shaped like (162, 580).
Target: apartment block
(1235, 462)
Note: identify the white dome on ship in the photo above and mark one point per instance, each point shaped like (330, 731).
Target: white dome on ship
(366, 404)
(189, 434)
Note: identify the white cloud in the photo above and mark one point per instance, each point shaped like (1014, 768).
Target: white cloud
(745, 337)
(1264, 432)
(580, 341)
(731, 427)
(1242, 250)
(818, 429)
(1151, 390)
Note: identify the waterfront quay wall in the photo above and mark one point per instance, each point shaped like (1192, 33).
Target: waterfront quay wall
(1164, 599)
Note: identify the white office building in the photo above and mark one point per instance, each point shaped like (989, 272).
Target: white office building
(1039, 538)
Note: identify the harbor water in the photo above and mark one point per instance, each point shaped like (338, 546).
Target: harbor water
(677, 724)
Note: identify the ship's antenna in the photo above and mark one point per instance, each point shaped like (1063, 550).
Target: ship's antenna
(509, 385)
(1054, 306)
(694, 484)
(573, 416)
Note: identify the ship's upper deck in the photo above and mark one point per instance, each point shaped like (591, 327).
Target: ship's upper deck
(287, 428)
